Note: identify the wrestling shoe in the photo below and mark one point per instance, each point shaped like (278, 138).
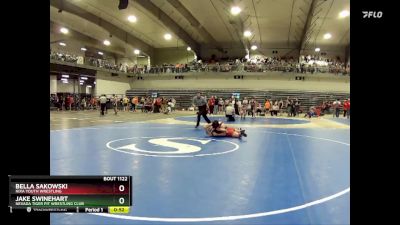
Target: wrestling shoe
(242, 132)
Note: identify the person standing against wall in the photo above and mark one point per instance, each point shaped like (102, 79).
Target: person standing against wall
(201, 103)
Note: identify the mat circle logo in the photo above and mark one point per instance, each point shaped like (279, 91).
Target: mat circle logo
(172, 146)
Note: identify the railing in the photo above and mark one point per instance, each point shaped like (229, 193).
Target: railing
(218, 68)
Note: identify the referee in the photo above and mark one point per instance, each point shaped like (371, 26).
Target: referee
(103, 101)
(201, 103)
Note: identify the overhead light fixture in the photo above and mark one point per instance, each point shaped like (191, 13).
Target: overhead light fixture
(132, 19)
(100, 53)
(89, 86)
(235, 10)
(136, 51)
(167, 36)
(327, 36)
(253, 47)
(84, 78)
(81, 84)
(65, 75)
(62, 44)
(83, 49)
(106, 42)
(317, 49)
(247, 33)
(94, 82)
(188, 48)
(64, 79)
(344, 13)
(64, 30)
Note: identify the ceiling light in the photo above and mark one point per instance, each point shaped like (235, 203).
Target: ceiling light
(247, 33)
(83, 49)
(132, 19)
(136, 51)
(84, 78)
(94, 82)
(235, 10)
(89, 86)
(167, 36)
(64, 30)
(106, 42)
(327, 36)
(253, 47)
(64, 79)
(188, 48)
(64, 75)
(100, 53)
(317, 49)
(344, 13)
(62, 44)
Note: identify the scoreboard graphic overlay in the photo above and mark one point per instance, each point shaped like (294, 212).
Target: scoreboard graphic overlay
(75, 194)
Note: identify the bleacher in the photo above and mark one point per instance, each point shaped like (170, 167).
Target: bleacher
(184, 97)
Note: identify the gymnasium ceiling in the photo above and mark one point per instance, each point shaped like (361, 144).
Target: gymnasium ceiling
(297, 24)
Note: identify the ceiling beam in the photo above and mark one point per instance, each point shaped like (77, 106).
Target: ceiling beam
(86, 40)
(192, 20)
(238, 26)
(111, 28)
(169, 23)
(307, 25)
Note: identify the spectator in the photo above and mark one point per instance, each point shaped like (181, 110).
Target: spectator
(336, 107)
(311, 112)
(157, 105)
(346, 108)
(267, 107)
(289, 107)
(275, 109)
(83, 103)
(211, 103)
(125, 102)
(114, 102)
(280, 104)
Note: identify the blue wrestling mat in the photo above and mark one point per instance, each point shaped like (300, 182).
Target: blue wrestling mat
(181, 176)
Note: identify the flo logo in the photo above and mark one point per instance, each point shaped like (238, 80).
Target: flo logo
(172, 146)
(372, 14)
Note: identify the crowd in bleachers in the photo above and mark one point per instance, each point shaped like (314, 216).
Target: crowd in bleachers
(66, 57)
(305, 64)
